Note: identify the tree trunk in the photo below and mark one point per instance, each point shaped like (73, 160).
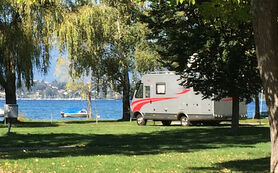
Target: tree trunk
(257, 107)
(264, 15)
(89, 104)
(126, 88)
(235, 115)
(89, 101)
(125, 78)
(10, 87)
(10, 92)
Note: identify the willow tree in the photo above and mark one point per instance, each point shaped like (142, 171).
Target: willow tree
(100, 41)
(25, 31)
(83, 35)
(128, 49)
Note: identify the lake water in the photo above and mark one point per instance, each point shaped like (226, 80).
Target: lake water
(43, 109)
(251, 109)
(107, 109)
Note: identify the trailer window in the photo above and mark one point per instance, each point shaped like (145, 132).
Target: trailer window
(139, 91)
(147, 91)
(160, 88)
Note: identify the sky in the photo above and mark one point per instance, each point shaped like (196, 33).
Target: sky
(50, 76)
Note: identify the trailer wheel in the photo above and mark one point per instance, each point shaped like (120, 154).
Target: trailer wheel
(166, 122)
(184, 121)
(140, 120)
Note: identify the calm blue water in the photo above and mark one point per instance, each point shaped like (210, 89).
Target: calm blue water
(251, 109)
(42, 109)
(107, 109)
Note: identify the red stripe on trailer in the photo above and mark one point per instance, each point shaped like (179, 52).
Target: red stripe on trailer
(139, 106)
(227, 100)
(143, 102)
(184, 91)
(159, 98)
(151, 99)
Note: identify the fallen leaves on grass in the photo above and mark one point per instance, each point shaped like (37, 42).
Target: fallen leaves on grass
(225, 170)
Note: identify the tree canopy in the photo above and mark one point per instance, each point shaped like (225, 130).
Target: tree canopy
(224, 63)
(25, 41)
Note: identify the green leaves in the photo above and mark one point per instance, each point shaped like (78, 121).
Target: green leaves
(85, 33)
(26, 35)
(222, 11)
(220, 32)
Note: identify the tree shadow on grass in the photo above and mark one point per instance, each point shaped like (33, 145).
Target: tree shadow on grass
(175, 140)
(31, 124)
(252, 165)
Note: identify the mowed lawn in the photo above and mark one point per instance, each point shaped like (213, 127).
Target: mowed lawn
(84, 146)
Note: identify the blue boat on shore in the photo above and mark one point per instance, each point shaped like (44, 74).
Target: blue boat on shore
(76, 113)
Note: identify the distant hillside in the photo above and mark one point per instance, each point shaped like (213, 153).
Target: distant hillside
(55, 90)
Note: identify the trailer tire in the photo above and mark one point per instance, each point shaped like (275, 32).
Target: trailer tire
(184, 121)
(140, 120)
(166, 122)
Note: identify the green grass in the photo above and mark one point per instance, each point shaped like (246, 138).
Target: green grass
(262, 121)
(84, 146)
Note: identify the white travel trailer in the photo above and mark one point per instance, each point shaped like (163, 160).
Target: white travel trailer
(159, 97)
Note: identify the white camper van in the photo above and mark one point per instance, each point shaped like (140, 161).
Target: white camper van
(159, 97)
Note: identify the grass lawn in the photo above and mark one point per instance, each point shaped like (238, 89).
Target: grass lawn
(84, 146)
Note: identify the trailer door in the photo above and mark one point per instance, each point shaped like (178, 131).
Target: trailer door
(148, 107)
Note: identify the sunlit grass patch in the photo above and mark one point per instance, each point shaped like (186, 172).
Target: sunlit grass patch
(84, 146)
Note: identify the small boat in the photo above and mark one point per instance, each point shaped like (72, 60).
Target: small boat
(1, 113)
(75, 114)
